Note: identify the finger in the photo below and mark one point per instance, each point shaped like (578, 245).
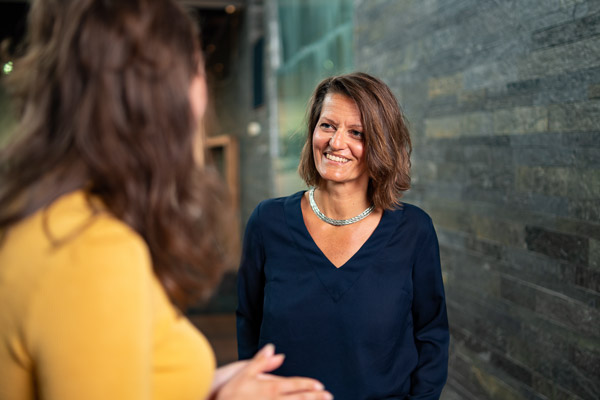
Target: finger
(293, 385)
(267, 377)
(262, 360)
(322, 395)
(309, 396)
(267, 351)
(225, 373)
(274, 362)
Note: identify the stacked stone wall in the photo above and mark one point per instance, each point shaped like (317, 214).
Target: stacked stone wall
(503, 98)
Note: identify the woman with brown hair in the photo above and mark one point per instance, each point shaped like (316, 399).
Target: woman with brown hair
(107, 224)
(344, 278)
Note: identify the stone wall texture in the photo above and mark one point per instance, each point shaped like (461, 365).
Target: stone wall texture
(503, 97)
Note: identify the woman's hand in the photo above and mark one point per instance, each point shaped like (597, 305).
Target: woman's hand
(223, 375)
(249, 380)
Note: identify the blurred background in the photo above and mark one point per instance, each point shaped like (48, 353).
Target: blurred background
(503, 100)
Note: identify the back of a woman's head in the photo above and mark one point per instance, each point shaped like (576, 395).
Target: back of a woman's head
(103, 92)
(103, 86)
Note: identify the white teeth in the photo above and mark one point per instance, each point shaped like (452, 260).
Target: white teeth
(336, 158)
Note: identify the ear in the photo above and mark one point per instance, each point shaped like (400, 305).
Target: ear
(198, 96)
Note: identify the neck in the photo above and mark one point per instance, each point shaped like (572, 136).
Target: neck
(341, 201)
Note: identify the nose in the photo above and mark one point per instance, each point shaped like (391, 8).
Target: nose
(337, 140)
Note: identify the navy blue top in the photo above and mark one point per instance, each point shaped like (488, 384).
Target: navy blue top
(375, 328)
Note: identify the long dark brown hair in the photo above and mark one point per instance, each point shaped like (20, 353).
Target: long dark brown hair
(387, 138)
(103, 95)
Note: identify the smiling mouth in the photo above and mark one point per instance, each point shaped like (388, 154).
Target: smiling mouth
(336, 158)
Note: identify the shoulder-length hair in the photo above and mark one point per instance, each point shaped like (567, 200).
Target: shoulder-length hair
(386, 135)
(103, 94)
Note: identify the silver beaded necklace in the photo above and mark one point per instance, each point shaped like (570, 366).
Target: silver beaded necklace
(336, 222)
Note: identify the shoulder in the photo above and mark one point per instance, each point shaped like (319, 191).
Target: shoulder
(72, 241)
(270, 207)
(111, 239)
(415, 213)
(271, 216)
(412, 213)
(79, 228)
(78, 255)
(415, 218)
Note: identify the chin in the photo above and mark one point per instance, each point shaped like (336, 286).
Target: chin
(337, 180)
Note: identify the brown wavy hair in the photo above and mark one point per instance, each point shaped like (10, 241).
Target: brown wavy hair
(103, 95)
(387, 138)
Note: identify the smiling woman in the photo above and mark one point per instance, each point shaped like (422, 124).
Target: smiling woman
(344, 278)
(337, 143)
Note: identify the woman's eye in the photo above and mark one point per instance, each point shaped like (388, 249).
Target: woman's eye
(325, 125)
(357, 134)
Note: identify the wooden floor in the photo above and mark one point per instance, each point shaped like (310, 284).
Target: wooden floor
(220, 331)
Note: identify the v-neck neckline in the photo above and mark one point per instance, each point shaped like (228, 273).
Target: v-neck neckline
(337, 281)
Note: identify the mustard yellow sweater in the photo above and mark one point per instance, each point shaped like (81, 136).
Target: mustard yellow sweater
(83, 317)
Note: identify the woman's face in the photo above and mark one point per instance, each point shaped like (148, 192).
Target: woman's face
(338, 141)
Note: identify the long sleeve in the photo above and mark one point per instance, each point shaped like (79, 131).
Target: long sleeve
(91, 320)
(251, 283)
(430, 321)
(83, 315)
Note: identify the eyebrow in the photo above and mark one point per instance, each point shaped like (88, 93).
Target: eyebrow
(329, 120)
